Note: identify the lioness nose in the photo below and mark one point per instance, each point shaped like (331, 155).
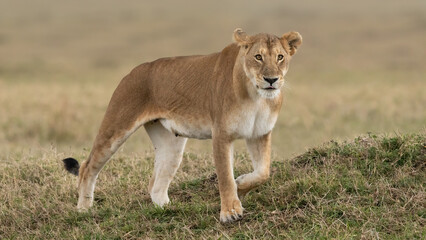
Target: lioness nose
(270, 80)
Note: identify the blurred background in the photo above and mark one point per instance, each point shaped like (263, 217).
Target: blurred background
(361, 68)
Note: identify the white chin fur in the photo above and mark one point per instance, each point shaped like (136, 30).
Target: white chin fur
(268, 93)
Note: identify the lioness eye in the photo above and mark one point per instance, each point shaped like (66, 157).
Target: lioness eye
(280, 57)
(258, 57)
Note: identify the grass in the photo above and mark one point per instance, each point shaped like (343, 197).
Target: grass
(369, 188)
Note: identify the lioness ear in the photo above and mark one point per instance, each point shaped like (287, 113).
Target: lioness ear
(240, 37)
(293, 39)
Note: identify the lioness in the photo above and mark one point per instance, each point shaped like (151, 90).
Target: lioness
(224, 96)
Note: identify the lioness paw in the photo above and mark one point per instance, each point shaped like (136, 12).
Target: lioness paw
(232, 214)
(160, 199)
(82, 210)
(84, 203)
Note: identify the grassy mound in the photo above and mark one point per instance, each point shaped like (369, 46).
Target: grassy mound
(373, 187)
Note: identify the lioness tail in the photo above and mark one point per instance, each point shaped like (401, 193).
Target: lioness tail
(71, 165)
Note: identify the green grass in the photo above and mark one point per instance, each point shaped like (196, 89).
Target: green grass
(370, 188)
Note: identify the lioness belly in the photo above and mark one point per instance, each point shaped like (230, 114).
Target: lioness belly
(189, 129)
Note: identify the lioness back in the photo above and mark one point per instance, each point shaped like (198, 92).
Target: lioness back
(181, 91)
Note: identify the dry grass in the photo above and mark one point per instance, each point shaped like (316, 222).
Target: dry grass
(370, 188)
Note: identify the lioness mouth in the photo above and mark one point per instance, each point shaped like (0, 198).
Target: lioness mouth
(269, 88)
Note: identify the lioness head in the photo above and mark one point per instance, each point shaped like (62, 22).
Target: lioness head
(266, 58)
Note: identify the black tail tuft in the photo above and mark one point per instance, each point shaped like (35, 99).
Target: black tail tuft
(71, 165)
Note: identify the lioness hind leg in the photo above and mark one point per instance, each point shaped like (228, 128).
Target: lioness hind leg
(168, 156)
(104, 147)
(260, 152)
(126, 112)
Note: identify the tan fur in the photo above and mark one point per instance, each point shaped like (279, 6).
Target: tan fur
(222, 96)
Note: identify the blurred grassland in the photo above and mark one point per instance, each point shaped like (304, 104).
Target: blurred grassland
(361, 67)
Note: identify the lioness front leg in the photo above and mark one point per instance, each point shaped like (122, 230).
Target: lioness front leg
(260, 153)
(231, 209)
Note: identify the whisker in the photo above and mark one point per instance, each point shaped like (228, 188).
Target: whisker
(286, 85)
